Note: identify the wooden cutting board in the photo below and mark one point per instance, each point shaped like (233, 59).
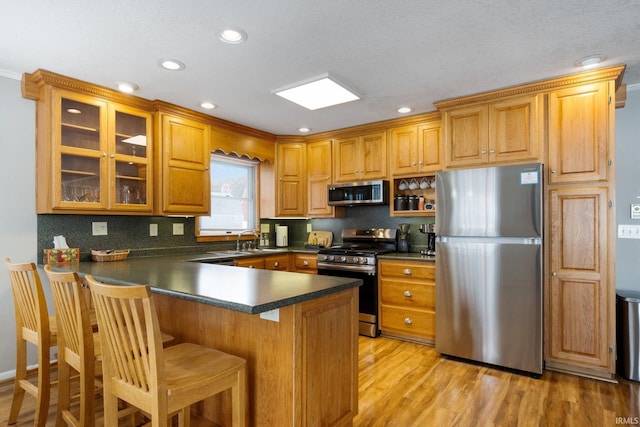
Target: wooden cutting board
(320, 238)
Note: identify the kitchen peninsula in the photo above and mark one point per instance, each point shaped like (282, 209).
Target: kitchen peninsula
(298, 332)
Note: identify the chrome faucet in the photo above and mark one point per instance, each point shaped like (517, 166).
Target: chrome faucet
(255, 234)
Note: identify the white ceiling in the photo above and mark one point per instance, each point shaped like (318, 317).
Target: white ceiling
(393, 53)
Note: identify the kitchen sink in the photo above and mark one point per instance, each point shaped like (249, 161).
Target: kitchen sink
(231, 252)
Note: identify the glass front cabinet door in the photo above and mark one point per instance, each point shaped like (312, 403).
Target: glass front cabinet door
(101, 154)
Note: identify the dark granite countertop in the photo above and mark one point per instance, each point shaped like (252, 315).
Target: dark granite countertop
(411, 256)
(246, 290)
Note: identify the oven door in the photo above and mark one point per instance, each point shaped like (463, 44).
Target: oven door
(368, 294)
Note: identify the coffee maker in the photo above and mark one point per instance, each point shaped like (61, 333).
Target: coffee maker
(431, 240)
(403, 238)
(429, 230)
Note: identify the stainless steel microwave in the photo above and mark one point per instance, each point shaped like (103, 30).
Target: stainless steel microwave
(359, 193)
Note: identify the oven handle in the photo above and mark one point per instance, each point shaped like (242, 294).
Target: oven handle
(327, 266)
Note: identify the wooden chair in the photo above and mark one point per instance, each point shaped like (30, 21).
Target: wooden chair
(78, 348)
(161, 382)
(33, 325)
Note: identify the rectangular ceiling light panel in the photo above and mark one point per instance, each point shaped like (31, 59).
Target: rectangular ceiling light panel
(320, 93)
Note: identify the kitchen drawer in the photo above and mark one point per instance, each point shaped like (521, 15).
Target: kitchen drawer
(408, 294)
(277, 262)
(305, 263)
(249, 262)
(419, 325)
(407, 269)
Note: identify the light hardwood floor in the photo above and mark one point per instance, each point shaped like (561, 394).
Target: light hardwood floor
(406, 384)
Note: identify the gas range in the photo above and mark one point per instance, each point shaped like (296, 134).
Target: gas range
(356, 257)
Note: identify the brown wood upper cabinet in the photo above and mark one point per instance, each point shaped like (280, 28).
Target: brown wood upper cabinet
(416, 149)
(360, 158)
(94, 154)
(505, 131)
(579, 133)
(290, 178)
(319, 172)
(184, 164)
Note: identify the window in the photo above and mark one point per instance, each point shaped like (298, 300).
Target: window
(234, 197)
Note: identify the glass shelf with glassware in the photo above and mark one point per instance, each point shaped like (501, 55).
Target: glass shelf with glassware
(413, 196)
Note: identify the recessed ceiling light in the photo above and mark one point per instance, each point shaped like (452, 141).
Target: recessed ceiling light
(232, 35)
(127, 87)
(73, 111)
(405, 110)
(304, 130)
(208, 105)
(590, 61)
(171, 64)
(316, 93)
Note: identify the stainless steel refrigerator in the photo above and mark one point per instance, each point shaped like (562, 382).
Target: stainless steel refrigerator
(489, 265)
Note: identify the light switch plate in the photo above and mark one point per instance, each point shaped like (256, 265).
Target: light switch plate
(99, 228)
(635, 211)
(309, 228)
(153, 229)
(178, 229)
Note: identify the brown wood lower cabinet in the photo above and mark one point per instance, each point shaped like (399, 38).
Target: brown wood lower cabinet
(302, 370)
(253, 262)
(305, 263)
(407, 299)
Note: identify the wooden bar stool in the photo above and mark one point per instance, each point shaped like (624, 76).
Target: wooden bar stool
(160, 382)
(33, 325)
(78, 348)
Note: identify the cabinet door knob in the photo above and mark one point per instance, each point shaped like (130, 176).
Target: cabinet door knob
(420, 162)
(407, 272)
(408, 321)
(553, 171)
(492, 151)
(554, 274)
(413, 164)
(276, 264)
(408, 294)
(104, 154)
(305, 263)
(484, 151)
(113, 156)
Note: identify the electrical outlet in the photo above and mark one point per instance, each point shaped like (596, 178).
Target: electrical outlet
(99, 228)
(626, 231)
(264, 228)
(153, 229)
(178, 229)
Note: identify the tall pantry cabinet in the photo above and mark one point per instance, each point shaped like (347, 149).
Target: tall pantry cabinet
(580, 288)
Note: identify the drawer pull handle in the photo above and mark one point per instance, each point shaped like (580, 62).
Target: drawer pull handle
(276, 264)
(407, 271)
(305, 263)
(408, 294)
(408, 321)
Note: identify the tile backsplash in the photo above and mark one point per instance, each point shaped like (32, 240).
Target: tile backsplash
(132, 232)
